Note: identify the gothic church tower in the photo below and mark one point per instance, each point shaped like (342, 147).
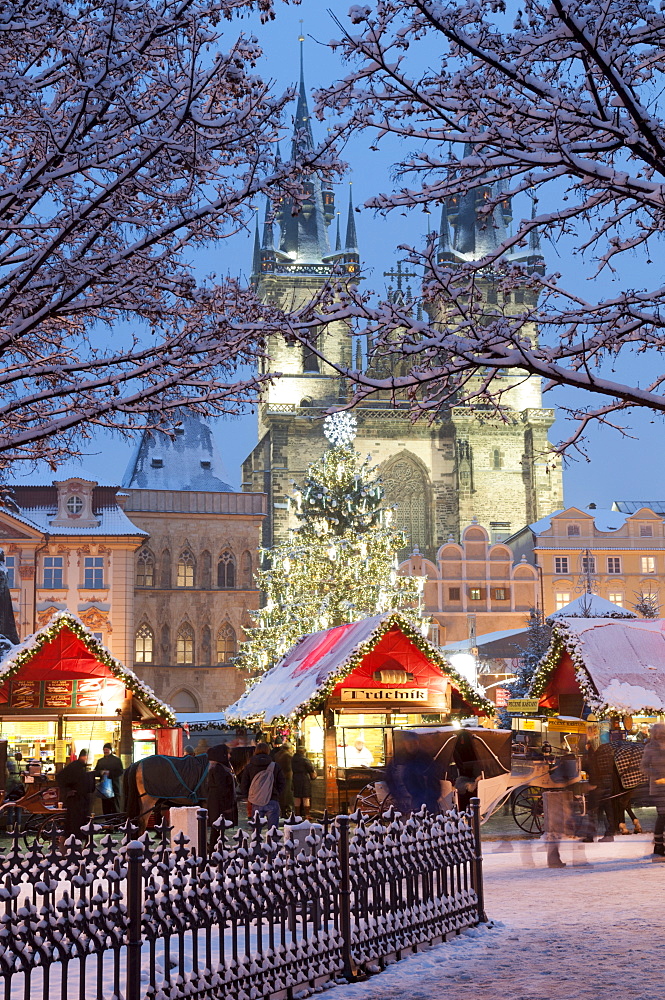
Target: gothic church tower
(439, 475)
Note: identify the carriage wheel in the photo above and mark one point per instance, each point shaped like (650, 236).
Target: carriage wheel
(528, 810)
(368, 802)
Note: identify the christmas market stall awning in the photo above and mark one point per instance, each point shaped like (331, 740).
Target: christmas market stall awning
(65, 650)
(300, 683)
(618, 665)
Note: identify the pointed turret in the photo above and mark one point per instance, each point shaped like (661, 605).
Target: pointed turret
(302, 137)
(268, 235)
(535, 260)
(338, 238)
(351, 236)
(444, 250)
(256, 257)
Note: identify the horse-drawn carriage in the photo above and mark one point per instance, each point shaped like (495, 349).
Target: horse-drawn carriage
(481, 762)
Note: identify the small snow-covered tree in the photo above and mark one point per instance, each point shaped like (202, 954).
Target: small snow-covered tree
(338, 566)
(556, 99)
(131, 135)
(537, 643)
(646, 604)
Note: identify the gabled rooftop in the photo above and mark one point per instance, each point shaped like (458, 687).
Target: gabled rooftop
(188, 461)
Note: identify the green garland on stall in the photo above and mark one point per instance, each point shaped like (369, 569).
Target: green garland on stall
(64, 619)
(563, 641)
(316, 702)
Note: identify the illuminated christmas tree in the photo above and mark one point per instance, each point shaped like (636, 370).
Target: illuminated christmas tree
(339, 565)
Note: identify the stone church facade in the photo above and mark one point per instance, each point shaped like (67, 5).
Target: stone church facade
(441, 476)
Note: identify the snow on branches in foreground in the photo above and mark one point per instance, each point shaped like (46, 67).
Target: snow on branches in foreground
(558, 100)
(131, 134)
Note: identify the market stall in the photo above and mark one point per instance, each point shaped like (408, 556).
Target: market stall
(612, 669)
(344, 690)
(62, 691)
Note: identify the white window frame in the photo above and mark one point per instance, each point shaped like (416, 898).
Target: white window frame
(559, 563)
(610, 561)
(616, 598)
(562, 598)
(648, 564)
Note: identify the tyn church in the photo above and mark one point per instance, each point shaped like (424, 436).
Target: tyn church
(440, 476)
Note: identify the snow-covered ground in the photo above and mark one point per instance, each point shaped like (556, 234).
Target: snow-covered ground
(576, 933)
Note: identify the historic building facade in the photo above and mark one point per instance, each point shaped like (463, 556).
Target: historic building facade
(617, 555)
(194, 575)
(475, 587)
(70, 546)
(440, 475)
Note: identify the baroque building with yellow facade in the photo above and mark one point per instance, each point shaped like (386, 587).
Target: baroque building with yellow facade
(441, 475)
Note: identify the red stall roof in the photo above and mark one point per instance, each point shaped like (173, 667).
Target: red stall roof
(320, 661)
(65, 649)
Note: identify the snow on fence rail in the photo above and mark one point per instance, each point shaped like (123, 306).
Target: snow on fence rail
(266, 915)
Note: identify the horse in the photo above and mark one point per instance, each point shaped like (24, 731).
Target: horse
(627, 763)
(159, 781)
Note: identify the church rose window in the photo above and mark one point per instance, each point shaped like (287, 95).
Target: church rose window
(406, 486)
(226, 644)
(144, 644)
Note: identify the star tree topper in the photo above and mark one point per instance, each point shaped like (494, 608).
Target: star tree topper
(340, 429)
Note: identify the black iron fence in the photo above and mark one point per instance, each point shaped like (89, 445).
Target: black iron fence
(266, 914)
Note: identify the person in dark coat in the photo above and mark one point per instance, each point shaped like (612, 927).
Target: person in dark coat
(303, 773)
(284, 757)
(221, 790)
(414, 777)
(76, 785)
(257, 763)
(111, 766)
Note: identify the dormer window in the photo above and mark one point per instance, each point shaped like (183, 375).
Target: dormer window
(157, 463)
(75, 504)
(205, 465)
(573, 530)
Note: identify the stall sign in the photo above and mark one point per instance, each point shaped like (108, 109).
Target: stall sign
(566, 726)
(25, 694)
(502, 696)
(385, 694)
(58, 694)
(528, 705)
(89, 692)
(528, 725)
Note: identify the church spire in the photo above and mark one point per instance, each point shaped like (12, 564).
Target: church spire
(256, 258)
(338, 238)
(351, 237)
(303, 137)
(268, 235)
(445, 249)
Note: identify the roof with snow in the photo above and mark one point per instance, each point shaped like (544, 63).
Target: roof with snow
(42, 475)
(65, 647)
(189, 461)
(307, 674)
(591, 606)
(605, 520)
(632, 506)
(490, 643)
(619, 665)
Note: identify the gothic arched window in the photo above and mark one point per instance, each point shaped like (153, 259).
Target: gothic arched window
(226, 643)
(185, 577)
(406, 487)
(184, 645)
(145, 569)
(226, 570)
(144, 642)
(183, 701)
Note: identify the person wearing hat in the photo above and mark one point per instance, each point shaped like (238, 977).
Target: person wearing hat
(109, 766)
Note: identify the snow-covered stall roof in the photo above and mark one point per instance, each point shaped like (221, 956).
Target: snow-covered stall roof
(591, 606)
(303, 678)
(79, 645)
(619, 664)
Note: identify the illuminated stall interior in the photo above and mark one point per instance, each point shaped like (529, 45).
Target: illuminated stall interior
(61, 691)
(344, 690)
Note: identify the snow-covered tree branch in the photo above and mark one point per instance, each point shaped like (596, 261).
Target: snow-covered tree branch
(558, 100)
(132, 134)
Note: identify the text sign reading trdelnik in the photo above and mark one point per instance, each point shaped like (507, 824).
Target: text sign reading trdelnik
(384, 694)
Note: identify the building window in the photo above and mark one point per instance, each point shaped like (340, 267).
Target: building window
(616, 599)
(93, 572)
(226, 571)
(562, 599)
(453, 593)
(573, 530)
(144, 645)
(588, 564)
(646, 530)
(561, 565)
(185, 575)
(10, 567)
(475, 594)
(648, 564)
(75, 505)
(499, 594)
(226, 644)
(613, 565)
(145, 569)
(53, 572)
(184, 645)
